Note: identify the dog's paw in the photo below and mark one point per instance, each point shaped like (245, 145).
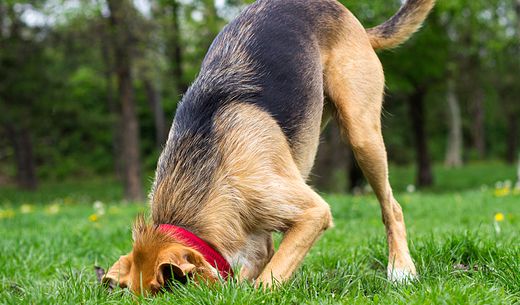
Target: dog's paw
(401, 276)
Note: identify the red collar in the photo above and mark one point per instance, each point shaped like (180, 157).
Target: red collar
(215, 259)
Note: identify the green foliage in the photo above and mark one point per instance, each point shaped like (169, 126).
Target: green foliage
(53, 76)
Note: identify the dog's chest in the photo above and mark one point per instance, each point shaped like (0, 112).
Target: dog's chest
(255, 251)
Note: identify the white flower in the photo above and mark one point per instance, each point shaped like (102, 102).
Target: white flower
(508, 184)
(99, 207)
(410, 188)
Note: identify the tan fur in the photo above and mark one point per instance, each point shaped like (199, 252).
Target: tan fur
(401, 26)
(358, 103)
(252, 182)
(142, 270)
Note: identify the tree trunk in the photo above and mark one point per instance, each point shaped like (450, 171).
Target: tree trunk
(416, 108)
(478, 128)
(512, 138)
(176, 49)
(154, 102)
(120, 18)
(513, 119)
(211, 21)
(112, 104)
(20, 138)
(517, 9)
(355, 175)
(454, 147)
(332, 157)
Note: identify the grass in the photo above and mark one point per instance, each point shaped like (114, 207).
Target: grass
(50, 242)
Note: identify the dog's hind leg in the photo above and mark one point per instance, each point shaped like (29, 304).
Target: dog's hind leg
(354, 81)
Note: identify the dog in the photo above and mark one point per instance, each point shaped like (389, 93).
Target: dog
(244, 139)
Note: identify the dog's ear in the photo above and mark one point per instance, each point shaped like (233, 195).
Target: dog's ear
(119, 274)
(170, 272)
(179, 263)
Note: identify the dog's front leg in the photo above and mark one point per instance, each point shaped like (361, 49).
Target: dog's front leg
(298, 239)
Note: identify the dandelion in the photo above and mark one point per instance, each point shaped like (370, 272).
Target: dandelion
(502, 188)
(499, 217)
(410, 188)
(93, 218)
(53, 209)
(7, 213)
(26, 208)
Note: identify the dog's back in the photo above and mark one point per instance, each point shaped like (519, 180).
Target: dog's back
(269, 57)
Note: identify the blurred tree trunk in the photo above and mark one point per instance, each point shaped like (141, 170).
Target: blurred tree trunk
(123, 40)
(512, 137)
(16, 106)
(111, 101)
(332, 156)
(154, 101)
(454, 147)
(20, 138)
(175, 46)
(416, 110)
(478, 128)
(335, 160)
(211, 21)
(355, 174)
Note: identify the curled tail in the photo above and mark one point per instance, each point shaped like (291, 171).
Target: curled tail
(401, 26)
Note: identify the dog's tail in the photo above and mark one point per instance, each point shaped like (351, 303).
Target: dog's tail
(401, 26)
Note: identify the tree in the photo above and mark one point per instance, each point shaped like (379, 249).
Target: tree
(454, 143)
(412, 76)
(121, 14)
(20, 85)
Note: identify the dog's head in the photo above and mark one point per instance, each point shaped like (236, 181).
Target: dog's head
(156, 261)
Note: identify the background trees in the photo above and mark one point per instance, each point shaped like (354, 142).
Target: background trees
(90, 87)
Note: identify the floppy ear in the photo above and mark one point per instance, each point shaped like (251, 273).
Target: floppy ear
(169, 272)
(119, 274)
(181, 264)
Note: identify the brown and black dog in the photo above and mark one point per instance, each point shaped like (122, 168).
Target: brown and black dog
(245, 135)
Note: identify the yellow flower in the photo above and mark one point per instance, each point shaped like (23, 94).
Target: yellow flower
(26, 208)
(499, 217)
(53, 209)
(7, 213)
(501, 192)
(93, 218)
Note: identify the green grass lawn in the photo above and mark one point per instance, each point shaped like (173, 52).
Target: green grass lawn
(51, 240)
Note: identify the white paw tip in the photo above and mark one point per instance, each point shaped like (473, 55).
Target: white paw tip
(401, 276)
